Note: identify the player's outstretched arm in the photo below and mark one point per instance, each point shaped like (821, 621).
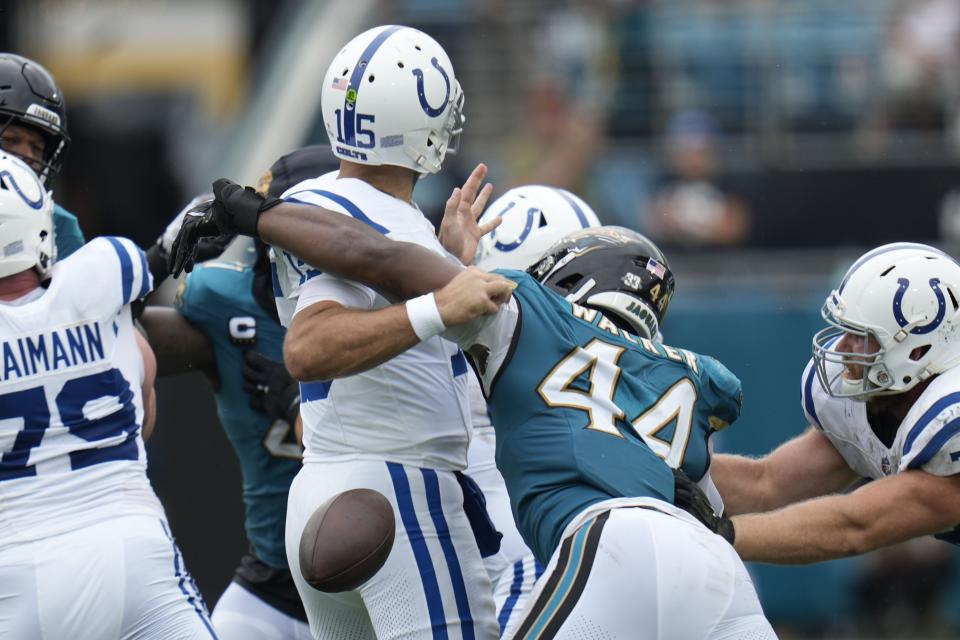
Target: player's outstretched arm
(330, 242)
(338, 244)
(805, 467)
(884, 512)
(180, 346)
(328, 340)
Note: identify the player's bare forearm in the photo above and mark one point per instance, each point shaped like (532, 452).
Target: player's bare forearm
(327, 340)
(180, 346)
(882, 513)
(338, 244)
(741, 483)
(147, 391)
(805, 467)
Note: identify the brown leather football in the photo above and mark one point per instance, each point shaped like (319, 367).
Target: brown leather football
(347, 540)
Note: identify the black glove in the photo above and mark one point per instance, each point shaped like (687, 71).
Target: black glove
(234, 209)
(271, 389)
(688, 495)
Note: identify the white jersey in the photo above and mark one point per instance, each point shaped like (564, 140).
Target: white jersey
(71, 406)
(928, 438)
(412, 409)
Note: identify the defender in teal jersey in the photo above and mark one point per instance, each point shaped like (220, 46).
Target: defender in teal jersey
(621, 402)
(587, 410)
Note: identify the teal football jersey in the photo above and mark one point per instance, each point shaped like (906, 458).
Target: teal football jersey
(585, 412)
(217, 298)
(66, 232)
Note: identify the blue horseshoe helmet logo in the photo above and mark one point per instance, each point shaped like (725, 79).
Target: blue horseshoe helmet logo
(33, 204)
(898, 311)
(527, 228)
(431, 111)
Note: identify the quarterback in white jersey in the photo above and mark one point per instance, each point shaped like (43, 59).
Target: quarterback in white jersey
(85, 549)
(882, 394)
(393, 420)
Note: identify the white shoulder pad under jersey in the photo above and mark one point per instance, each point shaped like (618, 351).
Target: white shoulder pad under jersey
(71, 405)
(926, 439)
(930, 433)
(411, 409)
(844, 422)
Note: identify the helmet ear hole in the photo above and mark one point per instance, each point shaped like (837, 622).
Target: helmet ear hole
(953, 299)
(568, 282)
(919, 352)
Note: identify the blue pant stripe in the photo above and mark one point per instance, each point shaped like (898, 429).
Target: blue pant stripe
(432, 485)
(516, 588)
(191, 598)
(428, 576)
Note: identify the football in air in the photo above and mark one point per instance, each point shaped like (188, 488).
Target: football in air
(347, 540)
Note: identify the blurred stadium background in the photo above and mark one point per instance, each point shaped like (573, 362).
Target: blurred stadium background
(764, 143)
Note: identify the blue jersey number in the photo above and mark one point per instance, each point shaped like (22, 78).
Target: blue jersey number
(370, 141)
(31, 405)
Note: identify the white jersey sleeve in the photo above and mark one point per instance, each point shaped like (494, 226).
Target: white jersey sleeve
(931, 439)
(117, 266)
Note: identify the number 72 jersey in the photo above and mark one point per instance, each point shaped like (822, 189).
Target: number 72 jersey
(71, 405)
(586, 412)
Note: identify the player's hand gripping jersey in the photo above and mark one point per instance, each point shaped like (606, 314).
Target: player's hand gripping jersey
(411, 409)
(585, 412)
(71, 404)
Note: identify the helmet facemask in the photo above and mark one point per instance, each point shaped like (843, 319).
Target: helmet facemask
(54, 145)
(875, 379)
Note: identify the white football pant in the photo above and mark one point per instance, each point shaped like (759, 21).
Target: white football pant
(122, 578)
(632, 573)
(240, 615)
(433, 581)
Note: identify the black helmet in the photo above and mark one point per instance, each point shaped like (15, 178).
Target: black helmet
(615, 270)
(30, 96)
(298, 165)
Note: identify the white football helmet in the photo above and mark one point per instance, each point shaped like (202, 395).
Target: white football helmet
(26, 220)
(390, 97)
(906, 296)
(534, 218)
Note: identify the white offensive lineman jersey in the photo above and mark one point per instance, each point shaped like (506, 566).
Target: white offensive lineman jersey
(71, 405)
(412, 409)
(928, 438)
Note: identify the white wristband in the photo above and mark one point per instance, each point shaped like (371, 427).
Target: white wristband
(425, 316)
